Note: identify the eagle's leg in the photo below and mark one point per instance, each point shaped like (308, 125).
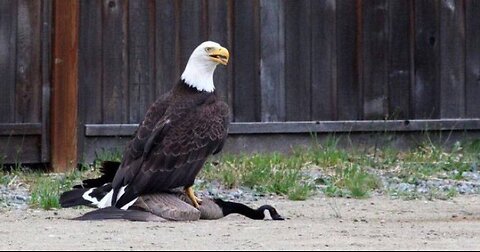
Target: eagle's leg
(191, 195)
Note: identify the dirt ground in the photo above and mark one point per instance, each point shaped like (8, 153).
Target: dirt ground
(378, 223)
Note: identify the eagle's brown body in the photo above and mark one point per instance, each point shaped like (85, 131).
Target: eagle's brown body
(180, 130)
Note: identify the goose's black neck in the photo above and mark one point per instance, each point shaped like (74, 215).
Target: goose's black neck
(256, 214)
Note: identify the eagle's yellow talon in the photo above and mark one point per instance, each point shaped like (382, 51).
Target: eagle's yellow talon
(191, 195)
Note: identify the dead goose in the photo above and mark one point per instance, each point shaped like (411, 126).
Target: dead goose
(173, 205)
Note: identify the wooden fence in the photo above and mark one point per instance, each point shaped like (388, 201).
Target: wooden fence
(25, 53)
(291, 61)
(296, 60)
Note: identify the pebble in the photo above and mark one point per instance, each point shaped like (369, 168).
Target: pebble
(17, 196)
(443, 184)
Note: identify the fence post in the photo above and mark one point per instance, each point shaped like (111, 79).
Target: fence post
(64, 99)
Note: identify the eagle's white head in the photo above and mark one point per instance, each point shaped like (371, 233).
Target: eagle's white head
(202, 63)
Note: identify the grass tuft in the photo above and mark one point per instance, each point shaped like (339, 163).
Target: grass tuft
(352, 181)
(265, 173)
(45, 189)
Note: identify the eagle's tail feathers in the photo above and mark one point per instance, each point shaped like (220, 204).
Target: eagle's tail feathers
(96, 197)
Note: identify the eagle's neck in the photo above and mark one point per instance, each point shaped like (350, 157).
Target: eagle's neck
(183, 90)
(199, 74)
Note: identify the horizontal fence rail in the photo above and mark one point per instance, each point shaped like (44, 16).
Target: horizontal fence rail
(20, 129)
(99, 130)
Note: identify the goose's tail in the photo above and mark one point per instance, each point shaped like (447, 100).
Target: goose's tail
(93, 192)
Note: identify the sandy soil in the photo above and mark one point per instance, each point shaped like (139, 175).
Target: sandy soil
(315, 224)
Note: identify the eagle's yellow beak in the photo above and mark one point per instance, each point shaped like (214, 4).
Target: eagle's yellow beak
(219, 55)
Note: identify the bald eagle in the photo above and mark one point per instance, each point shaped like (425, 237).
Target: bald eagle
(179, 132)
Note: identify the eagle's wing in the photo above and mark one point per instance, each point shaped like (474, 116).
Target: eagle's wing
(174, 150)
(132, 160)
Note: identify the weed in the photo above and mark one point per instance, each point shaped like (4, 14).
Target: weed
(327, 155)
(300, 191)
(332, 190)
(335, 208)
(352, 181)
(6, 178)
(265, 173)
(405, 195)
(452, 192)
(45, 190)
(2, 162)
(108, 155)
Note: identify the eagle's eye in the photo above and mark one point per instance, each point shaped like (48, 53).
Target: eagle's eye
(207, 49)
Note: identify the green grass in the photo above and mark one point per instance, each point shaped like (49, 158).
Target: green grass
(45, 190)
(265, 173)
(327, 155)
(107, 155)
(285, 174)
(7, 178)
(405, 195)
(346, 173)
(350, 172)
(429, 160)
(352, 181)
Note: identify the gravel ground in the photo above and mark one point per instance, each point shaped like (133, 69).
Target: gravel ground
(15, 195)
(319, 223)
(381, 222)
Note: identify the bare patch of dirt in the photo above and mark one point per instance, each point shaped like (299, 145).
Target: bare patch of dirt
(378, 223)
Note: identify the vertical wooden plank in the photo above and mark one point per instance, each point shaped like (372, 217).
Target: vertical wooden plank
(246, 53)
(8, 30)
(297, 60)
(115, 62)
(452, 64)
(348, 85)
(64, 85)
(28, 79)
(90, 62)
(426, 89)
(140, 56)
(167, 56)
(192, 26)
(272, 58)
(220, 31)
(323, 56)
(89, 68)
(375, 55)
(400, 42)
(472, 78)
(46, 66)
